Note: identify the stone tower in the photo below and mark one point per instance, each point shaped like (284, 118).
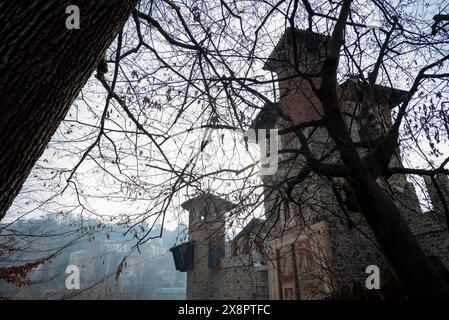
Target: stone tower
(207, 233)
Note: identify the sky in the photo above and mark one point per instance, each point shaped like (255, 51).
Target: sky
(116, 201)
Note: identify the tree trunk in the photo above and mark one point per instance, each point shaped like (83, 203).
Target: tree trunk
(412, 266)
(43, 67)
(410, 263)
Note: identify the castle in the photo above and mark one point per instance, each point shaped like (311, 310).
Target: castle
(313, 242)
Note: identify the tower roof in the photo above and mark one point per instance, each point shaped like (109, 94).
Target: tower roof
(394, 96)
(268, 114)
(266, 117)
(254, 226)
(279, 54)
(208, 202)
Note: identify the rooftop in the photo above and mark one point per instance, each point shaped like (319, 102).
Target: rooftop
(395, 96)
(266, 117)
(255, 226)
(268, 113)
(309, 38)
(208, 200)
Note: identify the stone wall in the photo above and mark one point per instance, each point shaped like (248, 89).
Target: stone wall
(244, 281)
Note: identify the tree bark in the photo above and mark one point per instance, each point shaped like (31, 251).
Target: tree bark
(418, 275)
(43, 66)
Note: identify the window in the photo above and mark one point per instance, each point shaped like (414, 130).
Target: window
(287, 211)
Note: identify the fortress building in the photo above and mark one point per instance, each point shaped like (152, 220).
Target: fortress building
(318, 245)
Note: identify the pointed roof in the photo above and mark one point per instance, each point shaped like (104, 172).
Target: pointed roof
(278, 55)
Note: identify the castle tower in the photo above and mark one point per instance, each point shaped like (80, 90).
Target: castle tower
(207, 234)
(297, 59)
